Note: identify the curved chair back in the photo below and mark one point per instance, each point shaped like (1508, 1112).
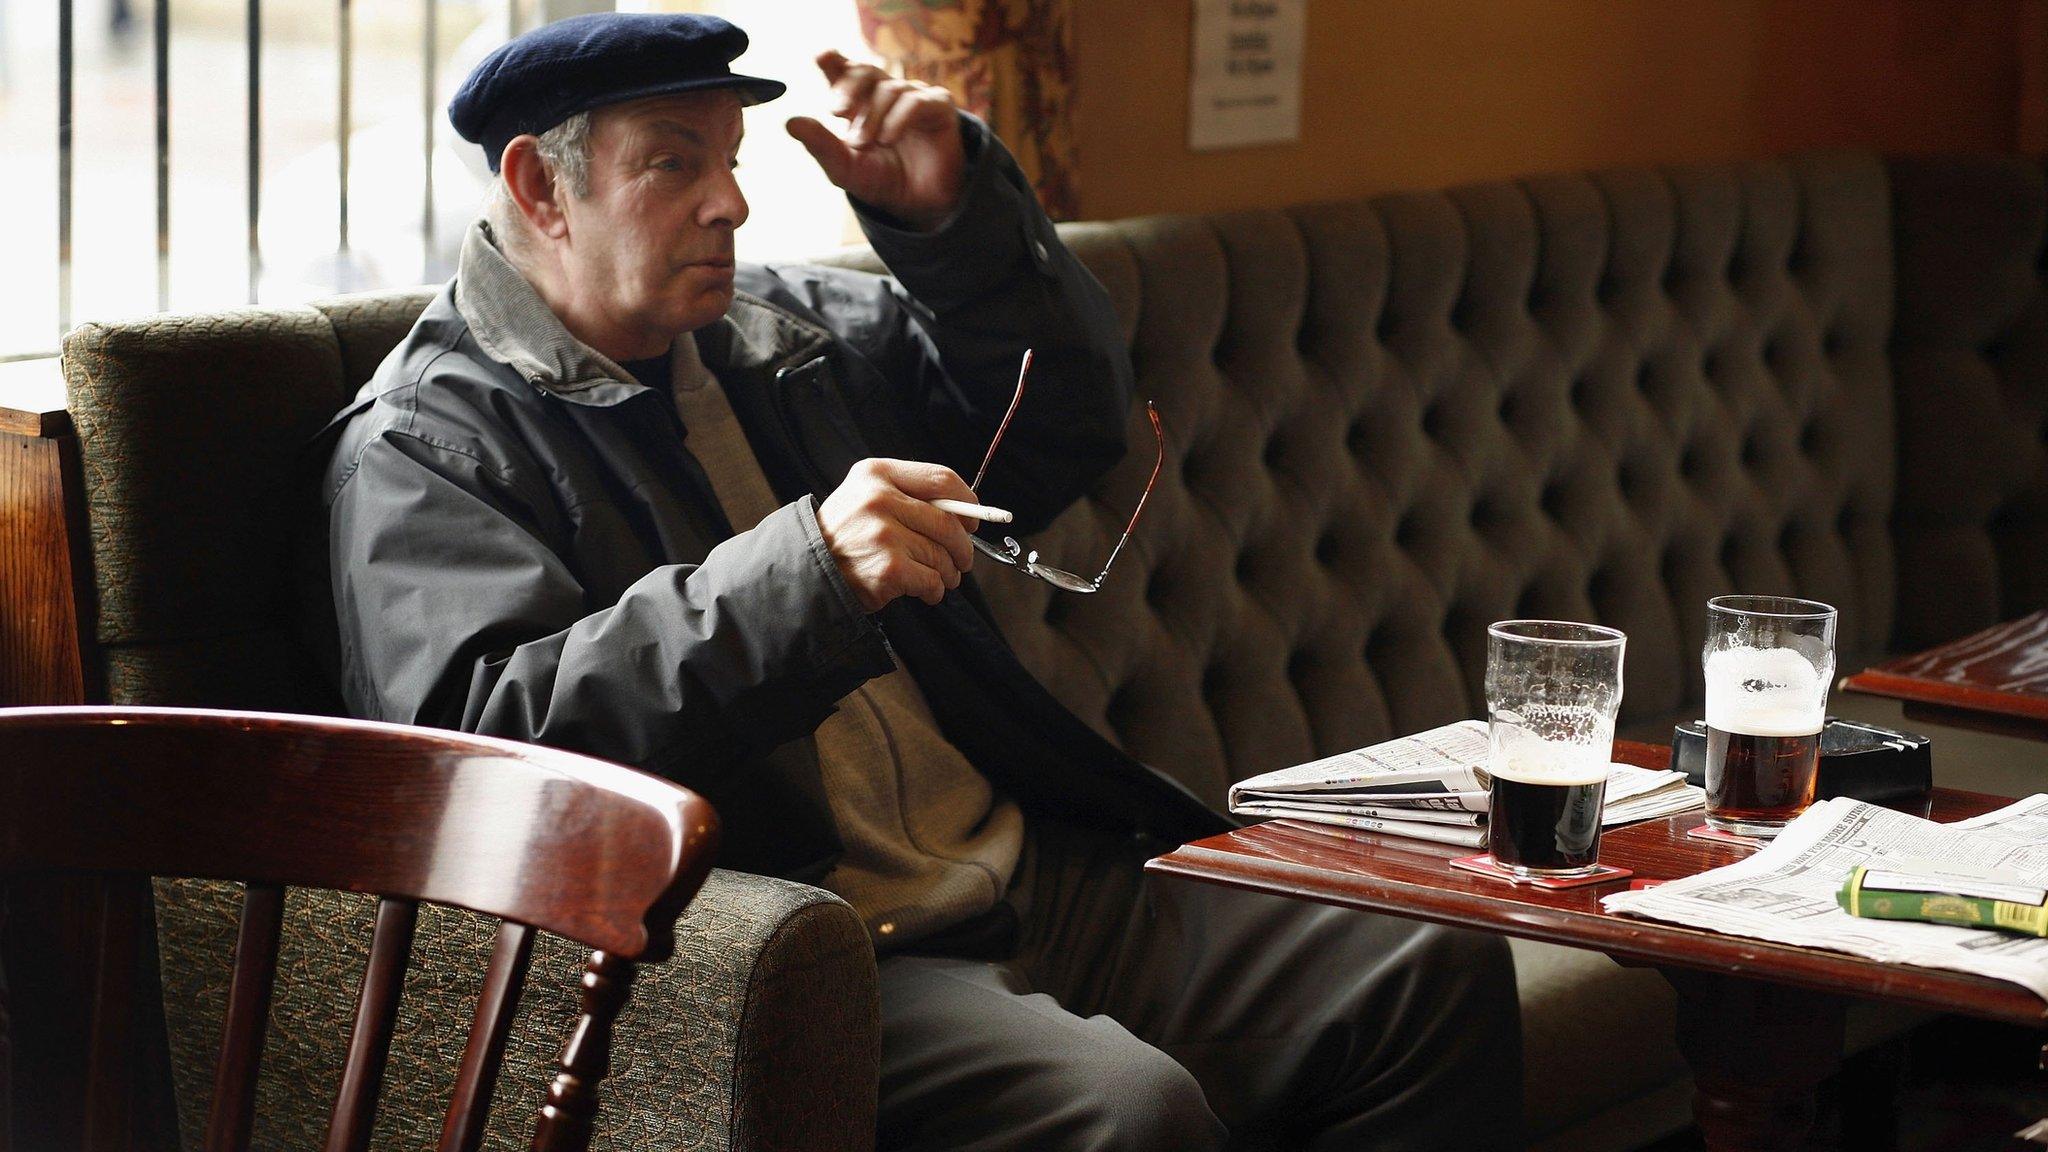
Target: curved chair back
(543, 839)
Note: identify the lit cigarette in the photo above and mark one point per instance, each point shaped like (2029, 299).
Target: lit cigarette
(974, 511)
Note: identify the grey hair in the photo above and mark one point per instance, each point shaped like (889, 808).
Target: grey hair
(565, 150)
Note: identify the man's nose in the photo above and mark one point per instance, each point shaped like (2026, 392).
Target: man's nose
(727, 205)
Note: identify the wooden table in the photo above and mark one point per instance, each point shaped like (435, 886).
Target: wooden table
(1995, 680)
(1760, 1024)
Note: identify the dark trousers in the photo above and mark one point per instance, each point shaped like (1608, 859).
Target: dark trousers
(1134, 1012)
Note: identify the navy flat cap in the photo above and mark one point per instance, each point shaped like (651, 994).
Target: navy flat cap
(535, 81)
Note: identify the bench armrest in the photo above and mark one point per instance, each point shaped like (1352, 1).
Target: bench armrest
(761, 1034)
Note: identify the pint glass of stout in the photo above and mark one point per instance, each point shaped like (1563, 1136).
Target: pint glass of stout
(1552, 689)
(1768, 660)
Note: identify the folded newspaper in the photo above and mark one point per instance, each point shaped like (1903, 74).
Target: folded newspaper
(1786, 892)
(1432, 786)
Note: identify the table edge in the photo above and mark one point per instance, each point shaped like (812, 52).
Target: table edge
(1652, 942)
(1895, 686)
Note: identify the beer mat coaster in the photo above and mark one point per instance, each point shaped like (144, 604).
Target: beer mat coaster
(1716, 836)
(1483, 864)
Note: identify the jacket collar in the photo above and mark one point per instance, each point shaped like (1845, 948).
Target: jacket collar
(755, 335)
(514, 326)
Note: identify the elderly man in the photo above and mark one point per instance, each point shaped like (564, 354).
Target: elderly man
(619, 494)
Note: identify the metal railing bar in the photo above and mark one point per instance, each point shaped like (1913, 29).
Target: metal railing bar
(344, 34)
(429, 36)
(64, 78)
(511, 18)
(18, 357)
(163, 154)
(255, 159)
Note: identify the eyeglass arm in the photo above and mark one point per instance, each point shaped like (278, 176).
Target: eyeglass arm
(1159, 433)
(1023, 370)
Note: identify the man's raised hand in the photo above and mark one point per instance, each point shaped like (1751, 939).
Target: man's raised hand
(901, 152)
(888, 540)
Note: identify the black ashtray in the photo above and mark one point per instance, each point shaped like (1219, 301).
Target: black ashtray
(1857, 760)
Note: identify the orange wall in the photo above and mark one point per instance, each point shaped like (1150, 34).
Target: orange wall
(1426, 93)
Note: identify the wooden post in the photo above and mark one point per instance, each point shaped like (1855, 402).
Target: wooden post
(45, 557)
(564, 1123)
(50, 938)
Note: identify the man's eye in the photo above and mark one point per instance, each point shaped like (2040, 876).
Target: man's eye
(669, 164)
(733, 165)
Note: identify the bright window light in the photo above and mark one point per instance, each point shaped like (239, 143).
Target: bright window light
(795, 211)
(114, 267)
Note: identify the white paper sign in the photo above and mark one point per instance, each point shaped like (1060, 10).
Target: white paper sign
(1246, 83)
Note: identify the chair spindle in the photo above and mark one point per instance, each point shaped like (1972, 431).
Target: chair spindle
(565, 1120)
(109, 1105)
(599, 853)
(355, 1105)
(233, 1112)
(469, 1107)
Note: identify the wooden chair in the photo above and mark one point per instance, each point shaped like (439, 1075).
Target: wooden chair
(542, 839)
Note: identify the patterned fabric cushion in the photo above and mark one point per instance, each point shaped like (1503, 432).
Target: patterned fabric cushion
(190, 431)
(717, 1048)
(368, 325)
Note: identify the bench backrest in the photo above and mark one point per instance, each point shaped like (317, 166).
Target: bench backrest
(1391, 421)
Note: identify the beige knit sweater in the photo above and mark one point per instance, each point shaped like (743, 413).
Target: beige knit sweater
(928, 842)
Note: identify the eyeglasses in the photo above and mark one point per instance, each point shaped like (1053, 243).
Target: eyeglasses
(1012, 553)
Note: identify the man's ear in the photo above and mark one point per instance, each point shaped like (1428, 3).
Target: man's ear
(533, 187)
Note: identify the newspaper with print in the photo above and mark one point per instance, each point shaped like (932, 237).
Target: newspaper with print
(1786, 892)
(1431, 786)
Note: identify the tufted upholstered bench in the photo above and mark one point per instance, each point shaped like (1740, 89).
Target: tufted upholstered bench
(1391, 421)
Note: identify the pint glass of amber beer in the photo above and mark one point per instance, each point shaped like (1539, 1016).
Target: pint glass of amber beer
(1769, 660)
(1552, 689)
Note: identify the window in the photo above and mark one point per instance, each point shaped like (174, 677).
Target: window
(115, 267)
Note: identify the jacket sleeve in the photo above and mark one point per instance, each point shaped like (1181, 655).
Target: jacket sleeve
(456, 613)
(949, 325)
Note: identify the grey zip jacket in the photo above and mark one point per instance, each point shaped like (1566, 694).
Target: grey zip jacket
(521, 544)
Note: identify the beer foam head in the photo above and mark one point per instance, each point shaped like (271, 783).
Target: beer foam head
(1575, 753)
(1765, 692)
(1559, 772)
